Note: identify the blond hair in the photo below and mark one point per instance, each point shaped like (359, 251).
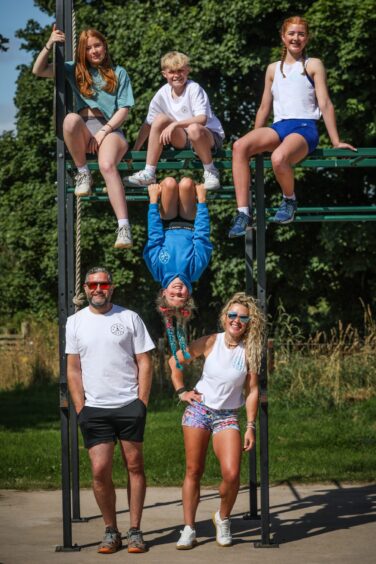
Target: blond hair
(174, 60)
(254, 336)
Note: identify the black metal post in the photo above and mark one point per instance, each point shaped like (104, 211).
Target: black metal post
(261, 295)
(62, 283)
(252, 457)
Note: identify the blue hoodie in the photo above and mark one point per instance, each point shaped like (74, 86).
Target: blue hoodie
(178, 253)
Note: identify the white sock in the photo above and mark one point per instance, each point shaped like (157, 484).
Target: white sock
(293, 197)
(122, 222)
(210, 167)
(150, 169)
(84, 168)
(245, 210)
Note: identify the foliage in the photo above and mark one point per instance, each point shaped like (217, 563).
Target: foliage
(230, 45)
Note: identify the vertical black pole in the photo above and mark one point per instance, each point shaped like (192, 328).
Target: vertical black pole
(62, 283)
(252, 458)
(261, 295)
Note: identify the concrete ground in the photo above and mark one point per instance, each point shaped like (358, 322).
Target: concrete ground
(313, 524)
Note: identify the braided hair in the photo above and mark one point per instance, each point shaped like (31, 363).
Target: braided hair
(289, 21)
(175, 320)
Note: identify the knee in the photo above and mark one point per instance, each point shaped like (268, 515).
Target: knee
(186, 185)
(241, 148)
(169, 185)
(101, 473)
(135, 466)
(231, 476)
(195, 131)
(160, 122)
(71, 122)
(107, 166)
(279, 160)
(194, 472)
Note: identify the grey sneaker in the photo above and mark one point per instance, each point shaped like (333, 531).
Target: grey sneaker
(240, 224)
(140, 178)
(111, 541)
(223, 531)
(84, 182)
(286, 211)
(124, 237)
(211, 180)
(136, 542)
(187, 539)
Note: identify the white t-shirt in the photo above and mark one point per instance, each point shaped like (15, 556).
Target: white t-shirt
(193, 102)
(107, 344)
(223, 376)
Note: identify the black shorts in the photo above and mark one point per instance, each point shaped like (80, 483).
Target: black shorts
(106, 425)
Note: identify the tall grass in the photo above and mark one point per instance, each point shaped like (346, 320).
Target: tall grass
(327, 368)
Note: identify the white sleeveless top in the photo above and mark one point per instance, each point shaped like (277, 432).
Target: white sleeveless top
(223, 376)
(294, 97)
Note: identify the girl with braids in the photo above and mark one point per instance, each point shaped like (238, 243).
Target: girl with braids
(296, 87)
(103, 96)
(229, 379)
(178, 248)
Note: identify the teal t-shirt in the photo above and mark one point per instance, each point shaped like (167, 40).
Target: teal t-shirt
(104, 101)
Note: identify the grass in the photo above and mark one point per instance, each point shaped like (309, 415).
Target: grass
(307, 443)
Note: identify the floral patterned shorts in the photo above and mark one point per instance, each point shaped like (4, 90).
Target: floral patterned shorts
(214, 420)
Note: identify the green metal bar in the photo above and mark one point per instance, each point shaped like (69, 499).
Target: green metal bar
(329, 218)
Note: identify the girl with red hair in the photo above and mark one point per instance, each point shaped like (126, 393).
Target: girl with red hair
(103, 96)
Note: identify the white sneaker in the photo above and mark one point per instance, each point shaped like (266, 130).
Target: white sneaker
(187, 539)
(211, 180)
(124, 237)
(84, 182)
(223, 531)
(140, 178)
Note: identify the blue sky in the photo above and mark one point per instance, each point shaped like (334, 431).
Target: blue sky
(14, 15)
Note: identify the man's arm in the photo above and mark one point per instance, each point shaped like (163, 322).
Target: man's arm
(74, 378)
(145, 375)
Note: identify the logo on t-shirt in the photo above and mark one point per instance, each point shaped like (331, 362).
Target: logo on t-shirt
(117, 329)
(184, 110)
(164, 256)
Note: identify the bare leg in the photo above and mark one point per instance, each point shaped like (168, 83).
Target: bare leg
(110, 152)
(134, 461)
(227, 448)
(292, 150)
(76, 137)
(187, 198)
(169, 198)
(196, 444)
(256, 141)
(155, 146)
(202, 140)
(101, 466)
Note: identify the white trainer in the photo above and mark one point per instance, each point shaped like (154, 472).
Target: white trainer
(223, 530)
(84, 182)
(187, 539)
(124, 237)
(140, 178)
(211, 179)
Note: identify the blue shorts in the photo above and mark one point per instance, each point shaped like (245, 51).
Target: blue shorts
(307, 128)
(201, 416)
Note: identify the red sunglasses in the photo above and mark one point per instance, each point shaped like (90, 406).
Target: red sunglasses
(94, 285)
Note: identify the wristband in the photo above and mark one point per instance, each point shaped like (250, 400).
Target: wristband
(251, 425)
(181, 391)
(110, 126)
(48, 48)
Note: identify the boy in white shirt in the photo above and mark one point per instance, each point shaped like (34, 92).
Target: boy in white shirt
(179, 115)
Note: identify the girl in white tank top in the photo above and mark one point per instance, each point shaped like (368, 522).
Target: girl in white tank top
(296, 89)
(229, 379)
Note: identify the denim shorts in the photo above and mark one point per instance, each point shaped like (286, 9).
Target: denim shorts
(106, 425)
(95, 123)
(201, 416)
(307, 128)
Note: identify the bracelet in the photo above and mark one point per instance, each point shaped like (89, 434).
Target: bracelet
(251, 425)
(181, 390)
(110, 126)
(48, 48)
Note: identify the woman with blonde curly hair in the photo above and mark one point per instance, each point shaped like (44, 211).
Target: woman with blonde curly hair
(229, 380)
(103, 96)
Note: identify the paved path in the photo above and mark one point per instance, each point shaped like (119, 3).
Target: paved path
(316, 524)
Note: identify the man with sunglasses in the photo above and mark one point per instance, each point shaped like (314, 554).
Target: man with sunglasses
(109, 372)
